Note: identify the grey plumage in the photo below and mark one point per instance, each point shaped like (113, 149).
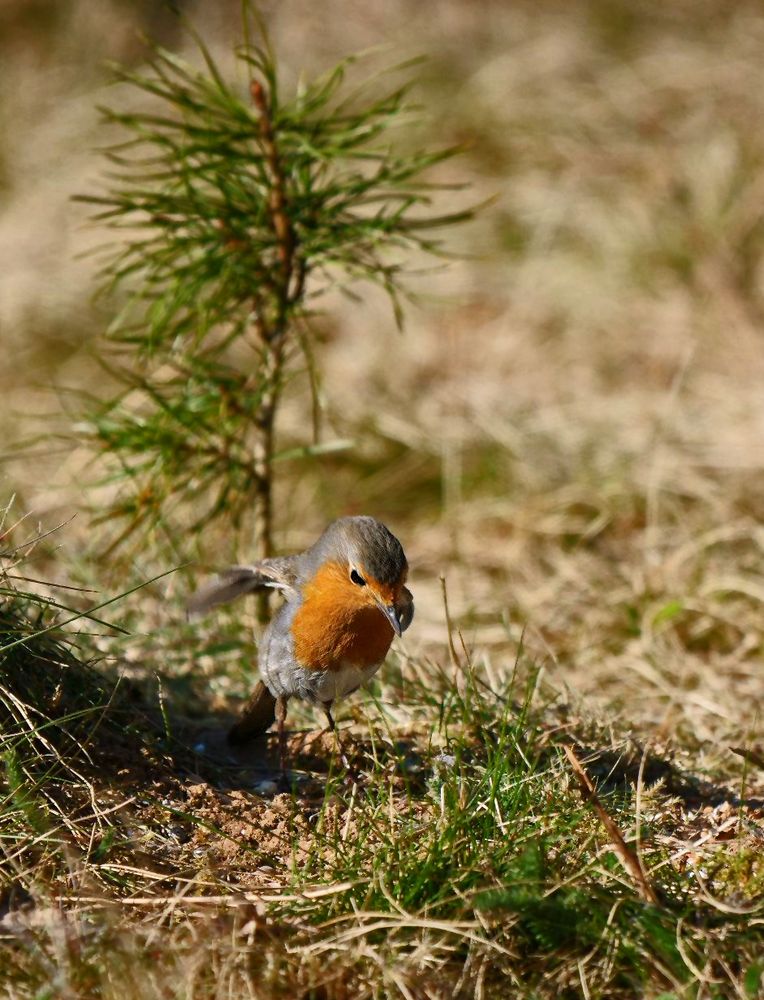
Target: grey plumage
(277, 574)
(366, 543)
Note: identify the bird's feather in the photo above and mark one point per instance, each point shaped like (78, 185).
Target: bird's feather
(258, 715)
(277, 574)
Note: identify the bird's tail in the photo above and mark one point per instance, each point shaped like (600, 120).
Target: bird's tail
(258, 715)
(231, 583)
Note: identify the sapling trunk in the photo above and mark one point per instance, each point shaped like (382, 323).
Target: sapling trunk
(272, 329)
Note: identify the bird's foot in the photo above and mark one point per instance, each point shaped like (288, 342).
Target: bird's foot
(285, 782)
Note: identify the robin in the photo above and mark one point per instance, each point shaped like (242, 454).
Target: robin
(345, 600)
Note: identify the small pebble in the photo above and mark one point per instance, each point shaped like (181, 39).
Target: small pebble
(446, 759)
(265, 788)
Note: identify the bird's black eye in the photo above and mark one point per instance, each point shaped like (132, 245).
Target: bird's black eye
(356, 577)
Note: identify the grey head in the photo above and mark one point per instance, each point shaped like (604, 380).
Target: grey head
(367, 545)
(374, 563)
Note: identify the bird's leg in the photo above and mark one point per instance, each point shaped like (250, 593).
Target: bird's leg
(331, 725)
(281, 711)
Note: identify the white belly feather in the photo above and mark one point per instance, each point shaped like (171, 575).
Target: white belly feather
(330, 685)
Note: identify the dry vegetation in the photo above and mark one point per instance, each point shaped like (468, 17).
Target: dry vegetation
(570, 429)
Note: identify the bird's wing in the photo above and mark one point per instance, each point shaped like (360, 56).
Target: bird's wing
(277, 574)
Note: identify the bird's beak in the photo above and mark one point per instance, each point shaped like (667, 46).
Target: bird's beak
(391, 613)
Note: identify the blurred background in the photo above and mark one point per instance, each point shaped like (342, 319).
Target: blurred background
(571, 427)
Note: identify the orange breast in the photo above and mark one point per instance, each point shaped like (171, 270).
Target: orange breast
(338, 623)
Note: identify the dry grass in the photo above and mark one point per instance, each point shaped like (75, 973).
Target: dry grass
(570, 429)
(143, 859)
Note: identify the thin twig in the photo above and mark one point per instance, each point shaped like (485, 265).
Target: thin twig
(449, 626)
(626, 856)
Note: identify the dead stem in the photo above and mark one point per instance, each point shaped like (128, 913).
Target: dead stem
(626, 856)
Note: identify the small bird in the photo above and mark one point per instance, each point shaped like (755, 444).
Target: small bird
(345, 600)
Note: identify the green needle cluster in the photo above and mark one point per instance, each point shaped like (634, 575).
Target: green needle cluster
(235, 207)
